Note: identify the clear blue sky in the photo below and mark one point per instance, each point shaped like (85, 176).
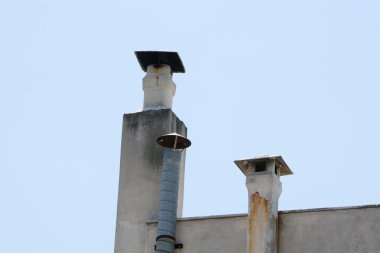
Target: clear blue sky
(296, 78)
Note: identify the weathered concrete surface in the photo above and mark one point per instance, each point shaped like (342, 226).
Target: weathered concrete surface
(140, 175)
(264, 189)
(341, 230)
(158, 87)
(226, 234)
(352, 230)
(258, 221)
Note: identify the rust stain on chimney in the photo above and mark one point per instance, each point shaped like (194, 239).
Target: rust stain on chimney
(258, 221)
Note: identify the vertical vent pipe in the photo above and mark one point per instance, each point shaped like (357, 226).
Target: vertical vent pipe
(174, 144)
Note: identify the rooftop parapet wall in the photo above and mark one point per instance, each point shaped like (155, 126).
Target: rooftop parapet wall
(223, 234)
(335, 230)
(341, 230)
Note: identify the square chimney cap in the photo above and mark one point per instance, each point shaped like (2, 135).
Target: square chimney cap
(284, 168)
(172, 59)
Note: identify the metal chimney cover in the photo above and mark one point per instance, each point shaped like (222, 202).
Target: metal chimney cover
(284, 168)
(174, 141)
(172, 59)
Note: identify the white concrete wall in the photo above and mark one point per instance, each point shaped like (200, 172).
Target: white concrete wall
(140, 175)
(310, 231)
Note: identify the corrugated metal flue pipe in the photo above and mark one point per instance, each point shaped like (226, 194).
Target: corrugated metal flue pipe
(167, 217)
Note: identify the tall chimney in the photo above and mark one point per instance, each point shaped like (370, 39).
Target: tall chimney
(264, 189)
(141, 161)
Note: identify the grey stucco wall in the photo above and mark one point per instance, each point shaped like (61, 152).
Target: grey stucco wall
(342, 230)
(140, 175)
(351, 230)
(206, 235)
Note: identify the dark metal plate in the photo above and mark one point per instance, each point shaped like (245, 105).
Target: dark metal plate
(174, 141)
(172, 59)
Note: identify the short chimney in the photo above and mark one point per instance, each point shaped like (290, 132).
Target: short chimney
(159, 88)
(264, 189)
